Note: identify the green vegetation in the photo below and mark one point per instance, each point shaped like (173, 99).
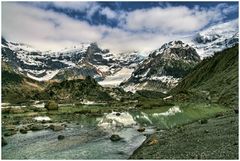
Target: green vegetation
(51, 105)
(150, 94)
(179, 68)
(16, 88)
(214, 79)
(78, 89)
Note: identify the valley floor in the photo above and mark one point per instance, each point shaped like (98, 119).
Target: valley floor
(215, 139)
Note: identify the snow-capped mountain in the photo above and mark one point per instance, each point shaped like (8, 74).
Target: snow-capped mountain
(163, 68)
(154, 74)
(215, 38)
(85, 59)
(110, 69)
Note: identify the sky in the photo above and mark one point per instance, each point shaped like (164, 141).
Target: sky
(118, 26)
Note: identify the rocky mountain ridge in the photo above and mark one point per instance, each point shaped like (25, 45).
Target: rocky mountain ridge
(163, 68)
(70, 63)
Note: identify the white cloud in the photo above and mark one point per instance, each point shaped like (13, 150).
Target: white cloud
(35, 26)
(171, 19)
(110, 14)
(47, 30)
(78, 6)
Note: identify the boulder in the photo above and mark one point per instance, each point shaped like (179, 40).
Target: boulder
(115, 137)
(118, 114)
(56, 127)
(36, 127)
(203, 121)
(153, 140)
(4, 142)
(142, 129)
(51, 105)
(23, 130)
(219, 114)
(236, 110)
(9, 130)
(61, 137)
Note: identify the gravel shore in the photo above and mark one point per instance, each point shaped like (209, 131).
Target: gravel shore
(217, 138)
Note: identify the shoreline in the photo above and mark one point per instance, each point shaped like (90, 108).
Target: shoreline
(191, 141)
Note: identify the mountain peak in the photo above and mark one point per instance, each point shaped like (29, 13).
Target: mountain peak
(176, 50)
(164, 67)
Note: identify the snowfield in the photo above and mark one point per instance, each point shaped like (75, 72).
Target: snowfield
(117, 78)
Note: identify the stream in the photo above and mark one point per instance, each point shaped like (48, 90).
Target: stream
(88, 140)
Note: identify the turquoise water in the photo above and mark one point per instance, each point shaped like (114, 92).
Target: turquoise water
(83, 141)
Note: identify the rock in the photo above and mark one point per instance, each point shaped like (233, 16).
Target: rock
(4, 142)
(203, 121)
(23, 130)
(16, 110)
(219, 114)
(5, 110)
(153, 141)
(36, 127)
(61, 137)
(141, 129)
(10, 127)
(9, 133)
(118, 114)
(9, 130)
(5, 116)
(51, 105)
(236, 110)
(115, 137)
(44, 121)
(56, 127)
(180, 129)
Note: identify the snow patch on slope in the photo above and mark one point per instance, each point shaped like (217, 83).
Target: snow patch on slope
(49, 75)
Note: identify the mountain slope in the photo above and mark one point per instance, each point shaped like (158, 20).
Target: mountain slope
(215, 78)
(163, 68)
(16, 87)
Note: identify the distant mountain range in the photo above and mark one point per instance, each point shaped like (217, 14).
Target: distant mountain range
(70, 63)
(161, 70)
